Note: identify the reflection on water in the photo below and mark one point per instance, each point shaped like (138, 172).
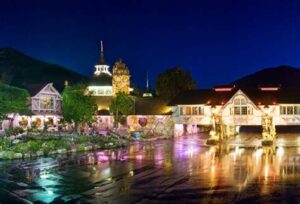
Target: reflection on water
(182, 169)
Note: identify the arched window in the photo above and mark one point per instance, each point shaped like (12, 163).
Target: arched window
(241, 107)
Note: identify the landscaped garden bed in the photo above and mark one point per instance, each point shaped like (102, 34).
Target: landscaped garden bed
(43, 145)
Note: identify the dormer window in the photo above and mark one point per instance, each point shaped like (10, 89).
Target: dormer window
(241, 107)
(46, 103)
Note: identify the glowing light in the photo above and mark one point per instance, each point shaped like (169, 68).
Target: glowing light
(190, 151)
(223, 89)
(44, 176)
(237, 128)
(266, 170)
(269, 88)
(237, 152)
(139, 157)
(50, 192)
(212, 150)
(280, 152)
(258, 154)
(102, 157)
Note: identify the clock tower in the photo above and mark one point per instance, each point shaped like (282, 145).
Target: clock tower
(121, 78)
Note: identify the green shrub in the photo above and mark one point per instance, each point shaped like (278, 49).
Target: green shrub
(47, 147)
(80, 147)
(10, 155)
(54, 144)
(9, 132)
(20, 148)
(83, 139)
(34, 145)
(13, 131)
(4, 144)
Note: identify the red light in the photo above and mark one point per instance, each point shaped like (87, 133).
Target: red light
(223, 89)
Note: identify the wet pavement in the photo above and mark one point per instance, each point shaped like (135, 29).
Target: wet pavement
(183, 170)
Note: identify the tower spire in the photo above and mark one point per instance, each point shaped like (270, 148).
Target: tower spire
(101, 59)
(147, 93)
(101, 66)
(147, 82)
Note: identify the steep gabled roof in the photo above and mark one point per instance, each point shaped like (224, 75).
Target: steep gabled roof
(35, 88)
(257, 96)
(202, 96)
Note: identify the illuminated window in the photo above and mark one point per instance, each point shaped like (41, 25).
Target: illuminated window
(241, 107)
(100, 92)
(296, 110)
(188, 111)
(108, 91)
(195, 110)
(201, 110)
(289, 110)
(47, 103)
(283, 110)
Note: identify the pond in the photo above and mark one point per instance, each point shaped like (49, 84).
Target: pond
(181, 170)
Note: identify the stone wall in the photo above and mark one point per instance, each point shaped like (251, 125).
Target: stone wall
(152, 125)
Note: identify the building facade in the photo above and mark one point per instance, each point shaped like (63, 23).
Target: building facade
(235, 107)
(45, 99)
(105, 83)
(45, 106)
(121, 78)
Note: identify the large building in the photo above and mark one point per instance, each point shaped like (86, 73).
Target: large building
(236, 107)
(105, 83)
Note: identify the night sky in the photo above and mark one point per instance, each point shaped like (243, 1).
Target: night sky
(217, 40)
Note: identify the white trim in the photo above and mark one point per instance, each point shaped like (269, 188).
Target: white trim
(239, 92)
(55, 92)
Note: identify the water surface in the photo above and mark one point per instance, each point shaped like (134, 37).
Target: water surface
(182, 170)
